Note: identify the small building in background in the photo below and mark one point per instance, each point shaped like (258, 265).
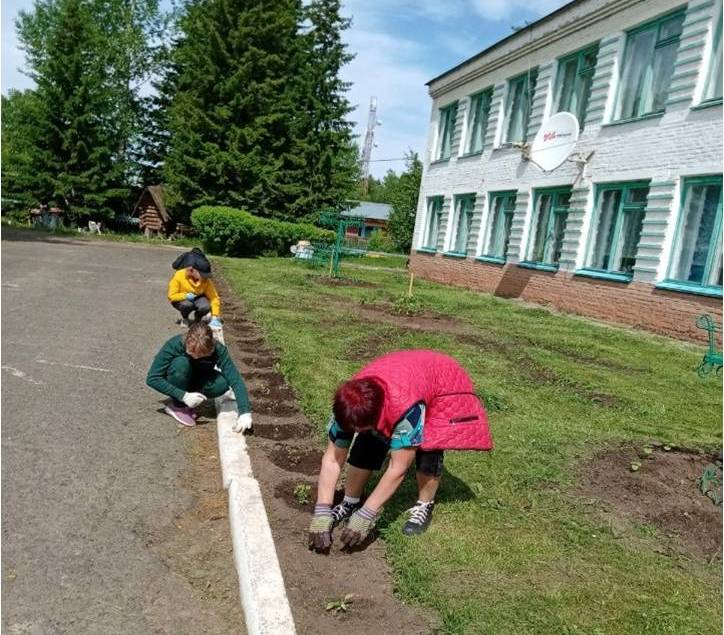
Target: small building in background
(47, 217)
(154, 218)
(376, 216)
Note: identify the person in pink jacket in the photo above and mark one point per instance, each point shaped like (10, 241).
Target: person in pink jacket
(413, 404)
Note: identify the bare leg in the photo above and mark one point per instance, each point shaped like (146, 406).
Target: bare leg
(356, 480)
(427, 487)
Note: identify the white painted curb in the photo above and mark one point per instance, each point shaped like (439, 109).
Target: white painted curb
(263, 594)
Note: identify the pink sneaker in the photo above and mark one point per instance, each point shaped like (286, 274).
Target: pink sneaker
(182, 414)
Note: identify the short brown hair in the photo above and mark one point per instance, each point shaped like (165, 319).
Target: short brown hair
(200, 339)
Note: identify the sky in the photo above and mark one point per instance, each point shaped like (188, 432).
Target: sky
(399, 45)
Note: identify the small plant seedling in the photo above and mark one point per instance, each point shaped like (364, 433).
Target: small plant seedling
(635, 466)
(302, 493)
(647, 452)
(341, 605)
(667, 448)
(710, 484)
(405, 305)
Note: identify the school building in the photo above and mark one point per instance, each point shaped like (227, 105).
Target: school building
(629, 228)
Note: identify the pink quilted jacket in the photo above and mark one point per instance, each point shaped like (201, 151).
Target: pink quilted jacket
(455, 419)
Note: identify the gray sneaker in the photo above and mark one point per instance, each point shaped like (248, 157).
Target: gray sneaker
(420, 517)
(343, 511)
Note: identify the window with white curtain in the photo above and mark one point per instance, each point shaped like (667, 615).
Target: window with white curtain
(463, 221)
(500, 220)
(697, 256)
(616, 229)
(520, 100)
(478, 120)
(647, 67)
(446, 130)
(432, 227)
(713, 87)
(550, 212)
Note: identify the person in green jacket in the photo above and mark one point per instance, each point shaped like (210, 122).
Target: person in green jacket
(193, 368)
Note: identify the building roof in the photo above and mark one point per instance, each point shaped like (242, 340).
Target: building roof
(365, 209)
(512, 36)
(156, 192)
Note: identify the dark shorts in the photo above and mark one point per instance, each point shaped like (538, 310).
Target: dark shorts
(369, 451)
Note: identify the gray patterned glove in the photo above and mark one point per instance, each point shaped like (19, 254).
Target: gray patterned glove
(358, 527)
(320, 529)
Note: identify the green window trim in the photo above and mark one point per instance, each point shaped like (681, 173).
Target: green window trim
(607, 251)
(647, 67)
(603, 275)
(712, 261)
(446, 131)
(527, 264)
(454, 254)
(432, 223)
(575, 80)
(478, 121)
(674, 285)
(519, 103)
(462, 212)
(493, 260)
(426, 250)
(501, 207)
(545, 253)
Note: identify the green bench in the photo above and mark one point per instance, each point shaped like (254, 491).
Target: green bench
(712, 360)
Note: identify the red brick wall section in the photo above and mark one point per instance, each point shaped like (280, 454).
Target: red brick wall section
(634, 304)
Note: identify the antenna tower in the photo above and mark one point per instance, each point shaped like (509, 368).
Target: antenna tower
(369, 143)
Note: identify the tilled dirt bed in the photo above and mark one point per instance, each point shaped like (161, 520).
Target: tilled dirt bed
(663, 490)
(284, 456)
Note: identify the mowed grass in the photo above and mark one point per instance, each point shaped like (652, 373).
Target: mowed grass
(511, 548)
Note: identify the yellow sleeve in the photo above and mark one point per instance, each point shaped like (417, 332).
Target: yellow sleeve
(214, 298)
(175, 293)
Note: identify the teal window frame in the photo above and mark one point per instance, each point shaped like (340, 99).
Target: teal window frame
(661, 42)
(528, 81)
(500, 219)
(463, 203)
(559, 208)
(714, 249)
(582, 83)
(478, 121)
(432, 222)
(446, 131)
(624, 209)
(715, 65)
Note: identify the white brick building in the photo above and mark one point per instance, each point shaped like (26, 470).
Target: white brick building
(641, 219)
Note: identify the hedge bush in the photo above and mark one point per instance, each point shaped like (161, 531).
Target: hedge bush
(235, 232)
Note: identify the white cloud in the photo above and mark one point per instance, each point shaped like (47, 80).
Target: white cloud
(388, 68)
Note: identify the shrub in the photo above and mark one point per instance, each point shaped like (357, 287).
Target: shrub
(380, 241)
(235, 232)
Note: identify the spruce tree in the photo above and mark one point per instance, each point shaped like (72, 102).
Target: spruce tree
(86, 57)
(233, 114)
(331, 163)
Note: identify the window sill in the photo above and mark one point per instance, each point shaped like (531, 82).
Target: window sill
(540, 266)
(604, 275)
(470, 155)
(440, 161)
(683, 287)
(708, 104)
(454, 254)
(495, 260)
(621, 122)
(426, 250)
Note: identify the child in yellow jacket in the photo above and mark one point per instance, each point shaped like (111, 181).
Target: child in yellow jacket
(191, 289)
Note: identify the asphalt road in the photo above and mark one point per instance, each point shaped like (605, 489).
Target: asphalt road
(89, 467)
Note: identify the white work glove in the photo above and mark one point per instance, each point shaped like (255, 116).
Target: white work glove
(193, 399)
(243, 423)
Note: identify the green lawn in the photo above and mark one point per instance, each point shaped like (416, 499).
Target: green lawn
(510, 549)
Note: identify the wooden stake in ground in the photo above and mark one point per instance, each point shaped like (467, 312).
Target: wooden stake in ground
(409, 288)
(331, 265)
